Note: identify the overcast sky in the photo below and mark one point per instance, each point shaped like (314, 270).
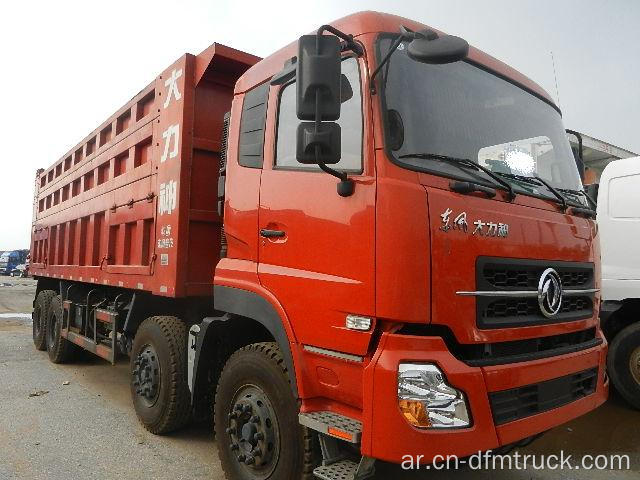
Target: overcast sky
(67, 66)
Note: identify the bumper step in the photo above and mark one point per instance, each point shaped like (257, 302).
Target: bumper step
(346, 470)
(334, 425)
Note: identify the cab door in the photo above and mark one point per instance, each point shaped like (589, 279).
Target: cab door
(316, 248)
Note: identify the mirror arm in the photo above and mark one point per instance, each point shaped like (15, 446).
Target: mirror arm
(351, 43)
(405, 34)
(346, 186)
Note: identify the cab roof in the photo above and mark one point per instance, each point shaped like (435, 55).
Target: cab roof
(375, 22)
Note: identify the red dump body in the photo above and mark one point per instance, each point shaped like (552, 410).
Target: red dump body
(134, 204)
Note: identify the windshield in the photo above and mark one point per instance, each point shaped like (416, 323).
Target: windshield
(461, 110)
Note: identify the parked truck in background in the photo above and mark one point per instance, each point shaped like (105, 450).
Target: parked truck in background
(10, 260)
(383, 249)
(619, 223)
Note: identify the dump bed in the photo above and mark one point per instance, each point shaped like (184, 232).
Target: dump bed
(134, 204)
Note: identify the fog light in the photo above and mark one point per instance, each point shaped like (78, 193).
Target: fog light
(427, 401)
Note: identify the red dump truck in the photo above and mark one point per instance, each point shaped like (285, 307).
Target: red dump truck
(373, 244)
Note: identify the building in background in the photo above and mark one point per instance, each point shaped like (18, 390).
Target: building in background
(597, 155)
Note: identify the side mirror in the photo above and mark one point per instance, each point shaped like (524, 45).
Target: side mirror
(318, 78)
(428, 47)
(318, 97)
(321, 146)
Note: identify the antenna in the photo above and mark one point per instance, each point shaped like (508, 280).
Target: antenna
(555, 77)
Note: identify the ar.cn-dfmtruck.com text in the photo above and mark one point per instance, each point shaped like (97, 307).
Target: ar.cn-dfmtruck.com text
(519, 461)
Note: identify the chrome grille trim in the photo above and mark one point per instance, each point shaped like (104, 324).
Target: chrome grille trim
(523, 293)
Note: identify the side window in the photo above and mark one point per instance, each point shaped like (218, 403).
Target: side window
(252, 122)
(350, 123)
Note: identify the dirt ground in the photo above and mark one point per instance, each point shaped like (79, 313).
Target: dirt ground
(87, 428)
(16, 294)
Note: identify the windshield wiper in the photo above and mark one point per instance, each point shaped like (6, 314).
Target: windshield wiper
(582, 193)
(536, 180)
(559, 196)
(465, 162)
(585, 211)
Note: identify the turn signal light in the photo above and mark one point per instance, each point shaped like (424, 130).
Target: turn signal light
(415, 413)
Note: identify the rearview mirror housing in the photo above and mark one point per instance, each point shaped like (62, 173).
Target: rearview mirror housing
(318, 72)
(327, 139)
(429, 47)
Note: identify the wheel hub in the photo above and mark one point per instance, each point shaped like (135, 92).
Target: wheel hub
(253, 431)
(146, 375)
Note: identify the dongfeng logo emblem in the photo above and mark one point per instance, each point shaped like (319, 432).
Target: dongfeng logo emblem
(550, 293)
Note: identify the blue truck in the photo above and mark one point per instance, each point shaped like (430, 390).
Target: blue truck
(10, 260)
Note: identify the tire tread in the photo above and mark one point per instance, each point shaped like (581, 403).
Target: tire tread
(178, 411)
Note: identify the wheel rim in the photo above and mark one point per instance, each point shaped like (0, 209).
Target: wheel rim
(634, 364)
(146, 375)
(253, 431)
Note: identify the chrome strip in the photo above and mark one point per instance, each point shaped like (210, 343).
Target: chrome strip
(334, 354)
(523, 293)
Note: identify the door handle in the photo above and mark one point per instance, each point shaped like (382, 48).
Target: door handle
(266, 233)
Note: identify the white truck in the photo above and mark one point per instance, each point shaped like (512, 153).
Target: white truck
(618, 216)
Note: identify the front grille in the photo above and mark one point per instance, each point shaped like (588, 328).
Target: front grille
(513, 276)
(522, 402)
(524, 307)
(513, 351)
(504, 274)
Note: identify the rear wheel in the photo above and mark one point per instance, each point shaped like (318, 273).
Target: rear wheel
(159, 387)
(60, 349)
(39, 316)
(623, 363)
(256, 418)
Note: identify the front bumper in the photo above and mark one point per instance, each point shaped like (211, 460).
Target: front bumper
(387, 436)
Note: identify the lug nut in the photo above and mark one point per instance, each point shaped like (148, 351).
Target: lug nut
(258, 436)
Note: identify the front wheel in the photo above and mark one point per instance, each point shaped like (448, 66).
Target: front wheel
(256, 418)
(623, 363)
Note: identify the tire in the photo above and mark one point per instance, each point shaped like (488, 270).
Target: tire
(254, 374)
(60, 350)
(39, 317)
(160, 344)
(624, 349)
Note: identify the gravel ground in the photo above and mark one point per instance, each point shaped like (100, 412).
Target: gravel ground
(87, 428)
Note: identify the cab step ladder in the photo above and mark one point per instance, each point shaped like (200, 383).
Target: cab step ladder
(334, 428)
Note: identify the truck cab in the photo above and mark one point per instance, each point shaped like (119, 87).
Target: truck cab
(9, 261)
(619, 222)
(462, 259)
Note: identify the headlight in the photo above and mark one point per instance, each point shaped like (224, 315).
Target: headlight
(427, 401)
